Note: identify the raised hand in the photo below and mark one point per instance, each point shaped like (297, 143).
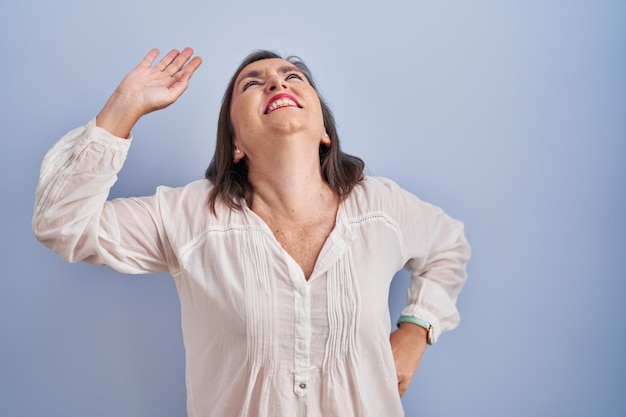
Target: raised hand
(147, 88)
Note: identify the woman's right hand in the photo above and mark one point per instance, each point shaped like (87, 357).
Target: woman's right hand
(147, 88)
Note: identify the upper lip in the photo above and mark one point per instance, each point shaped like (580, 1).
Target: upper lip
(278, 97)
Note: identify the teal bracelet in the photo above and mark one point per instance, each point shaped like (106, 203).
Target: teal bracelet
(415, 320)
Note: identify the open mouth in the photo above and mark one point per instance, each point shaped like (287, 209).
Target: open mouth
(281, 100)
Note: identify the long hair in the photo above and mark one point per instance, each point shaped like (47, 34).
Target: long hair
(230, 180)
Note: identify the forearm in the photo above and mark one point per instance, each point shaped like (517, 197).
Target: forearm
(76, 176)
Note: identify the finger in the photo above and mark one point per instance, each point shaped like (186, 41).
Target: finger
(163, 64)
(192, 65)
(402, 386)
(179, 61)
(149, 58)
(181, 83)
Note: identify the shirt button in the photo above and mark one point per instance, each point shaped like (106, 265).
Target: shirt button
(303, 385)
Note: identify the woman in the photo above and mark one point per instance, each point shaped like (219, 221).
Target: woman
(282, 257)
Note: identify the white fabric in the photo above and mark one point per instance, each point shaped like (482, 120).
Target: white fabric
(260, 339)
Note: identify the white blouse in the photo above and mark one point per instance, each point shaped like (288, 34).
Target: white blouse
(261, 340)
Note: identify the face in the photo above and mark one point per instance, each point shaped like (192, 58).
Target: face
(272, 100)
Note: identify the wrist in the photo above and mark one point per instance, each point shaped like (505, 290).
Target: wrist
(119, 115)
(416, 323)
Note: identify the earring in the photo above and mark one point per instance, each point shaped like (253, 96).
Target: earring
(237, 151)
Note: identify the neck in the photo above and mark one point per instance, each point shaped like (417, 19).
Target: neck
(291, 187)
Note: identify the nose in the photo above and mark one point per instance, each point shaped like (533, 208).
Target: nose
(275, 82)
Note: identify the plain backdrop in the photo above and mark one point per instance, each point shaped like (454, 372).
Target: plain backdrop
(510, 115)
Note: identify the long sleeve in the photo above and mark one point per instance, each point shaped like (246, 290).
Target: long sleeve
(405, 232)
(438, 253)
(73, 217)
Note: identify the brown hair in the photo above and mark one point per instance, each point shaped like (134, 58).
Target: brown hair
(230, 180)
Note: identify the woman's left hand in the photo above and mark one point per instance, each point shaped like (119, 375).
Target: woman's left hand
(408, 344)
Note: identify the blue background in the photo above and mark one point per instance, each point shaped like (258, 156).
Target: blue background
(509, 115)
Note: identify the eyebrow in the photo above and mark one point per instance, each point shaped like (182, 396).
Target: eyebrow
(257, 74)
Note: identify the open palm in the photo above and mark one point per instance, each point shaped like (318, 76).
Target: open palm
(147, 88)
(155, 87)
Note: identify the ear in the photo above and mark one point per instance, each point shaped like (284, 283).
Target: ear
(326, 140)
(238, 154)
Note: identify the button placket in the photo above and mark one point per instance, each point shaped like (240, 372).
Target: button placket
(302, 347)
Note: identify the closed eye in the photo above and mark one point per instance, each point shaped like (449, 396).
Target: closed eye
(250, 84)
(293, 76)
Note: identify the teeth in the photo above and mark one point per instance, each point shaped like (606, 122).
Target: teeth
(282, 102)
